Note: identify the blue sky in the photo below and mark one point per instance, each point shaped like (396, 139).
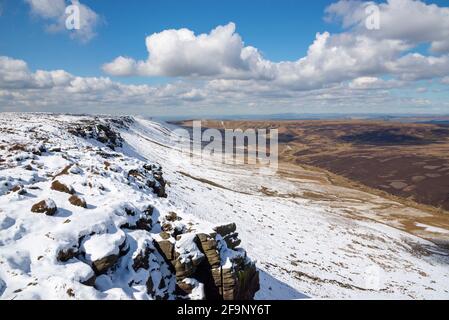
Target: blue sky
(280, 30)
(283, 30)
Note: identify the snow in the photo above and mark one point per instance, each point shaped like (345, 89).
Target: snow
(99, 246)
(432, 229)
(30, 242)
(303, 247)
(50, 204)
(187, 248)
(198, 289)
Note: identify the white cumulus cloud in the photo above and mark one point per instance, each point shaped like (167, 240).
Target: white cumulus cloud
(182, 53)
(410, 21)
(57, 90)
(54, 13)
(331, 58)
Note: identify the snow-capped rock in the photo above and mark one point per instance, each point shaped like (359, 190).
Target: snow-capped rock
(47, 206)
(148, 211)
(105, 205)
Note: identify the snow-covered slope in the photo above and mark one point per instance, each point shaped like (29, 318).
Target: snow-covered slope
(303, 247)
(83, 216)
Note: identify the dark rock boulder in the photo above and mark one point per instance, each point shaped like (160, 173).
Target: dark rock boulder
(47, 206)
(19, 189)
(78, 201)
(232, 278)
(209, 246)
(102, 131)
(241, 281)
(226, 229)
(183, 288)
(66, 255)
(102, 265)
(229, 234)
(61, 187)
(236, 281)
(149, 179)
(172, 217)
(166, 249)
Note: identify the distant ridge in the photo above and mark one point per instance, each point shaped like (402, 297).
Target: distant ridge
(318, 116)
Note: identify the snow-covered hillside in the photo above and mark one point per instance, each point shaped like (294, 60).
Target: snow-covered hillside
(116, 195)
(83, 216)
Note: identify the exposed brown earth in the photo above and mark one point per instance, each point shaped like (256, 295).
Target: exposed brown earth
(407, 163)
(406, 160)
